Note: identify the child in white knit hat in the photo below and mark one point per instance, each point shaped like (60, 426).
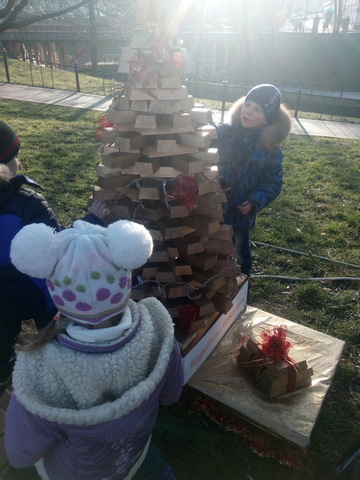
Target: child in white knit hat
(88, 389)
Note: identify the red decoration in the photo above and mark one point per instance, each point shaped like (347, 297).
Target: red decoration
(262, 448)
(177, 60)
(104, 122)
(274, 345)
(142, 67)
(185, 189)
(188, 315)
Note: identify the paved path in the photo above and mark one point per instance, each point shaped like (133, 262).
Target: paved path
(50, 96)
(65, 98)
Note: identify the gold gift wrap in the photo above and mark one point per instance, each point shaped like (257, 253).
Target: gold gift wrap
(284, 422)
(274, 377)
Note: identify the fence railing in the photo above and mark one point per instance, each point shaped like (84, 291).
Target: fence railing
(323, 99)
(43, 74)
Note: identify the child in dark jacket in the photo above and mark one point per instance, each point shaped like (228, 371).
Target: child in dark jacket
(88, 390)
(250, 165)
(21, 297)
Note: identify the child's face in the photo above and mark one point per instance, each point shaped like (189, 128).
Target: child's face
(14, 165)
(251, 116)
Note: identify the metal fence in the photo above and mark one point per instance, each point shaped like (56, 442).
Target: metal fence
(44, 74)
(322, 99)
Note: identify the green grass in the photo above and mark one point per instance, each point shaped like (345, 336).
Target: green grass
(317, 211)
(59, 150)
(24, 73)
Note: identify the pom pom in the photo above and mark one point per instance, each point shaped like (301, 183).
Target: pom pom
(33, 250)
(130, 244)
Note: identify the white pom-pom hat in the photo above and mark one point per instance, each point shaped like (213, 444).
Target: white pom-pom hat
(87, 267)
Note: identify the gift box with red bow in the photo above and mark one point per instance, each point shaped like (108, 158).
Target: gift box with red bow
(274, 363)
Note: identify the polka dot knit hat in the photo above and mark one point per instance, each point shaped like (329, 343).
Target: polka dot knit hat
(87, 267)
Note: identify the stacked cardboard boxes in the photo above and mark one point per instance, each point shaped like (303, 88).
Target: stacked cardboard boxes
(275, 377)
(157, 168)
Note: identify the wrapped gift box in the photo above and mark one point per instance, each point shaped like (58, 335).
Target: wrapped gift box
(279, 427)
(288, 372)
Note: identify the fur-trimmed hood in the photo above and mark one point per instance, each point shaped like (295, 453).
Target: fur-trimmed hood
(67, 386)
(272, 135)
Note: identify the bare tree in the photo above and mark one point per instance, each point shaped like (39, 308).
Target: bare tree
(13, 13)
(17, 14)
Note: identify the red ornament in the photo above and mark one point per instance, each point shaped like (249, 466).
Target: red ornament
(185, 189)
(188, 315)
(104, 122)
(142, 66)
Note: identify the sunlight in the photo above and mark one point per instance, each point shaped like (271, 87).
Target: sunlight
(178, 13)
(166, 15)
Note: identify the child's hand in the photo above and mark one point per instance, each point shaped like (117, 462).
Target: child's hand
(99, 208)
(245, 207)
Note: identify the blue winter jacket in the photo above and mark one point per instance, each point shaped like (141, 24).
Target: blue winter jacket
(250, 167)
(23, 297)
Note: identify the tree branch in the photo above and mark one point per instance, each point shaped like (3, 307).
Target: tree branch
(8, 23)
(4, 12)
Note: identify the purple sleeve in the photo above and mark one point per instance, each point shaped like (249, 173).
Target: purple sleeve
(174, 378)
(27, 437)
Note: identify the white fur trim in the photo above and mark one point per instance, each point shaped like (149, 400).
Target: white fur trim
(33, 250)
(76, 391)
(130, 244)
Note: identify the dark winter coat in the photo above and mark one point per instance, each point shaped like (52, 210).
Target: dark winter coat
(23, 297)
(250, 165)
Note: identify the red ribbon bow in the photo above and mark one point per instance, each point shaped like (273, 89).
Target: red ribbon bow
(185, 189)
(274, 345)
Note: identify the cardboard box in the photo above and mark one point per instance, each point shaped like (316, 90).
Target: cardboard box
(202, 349)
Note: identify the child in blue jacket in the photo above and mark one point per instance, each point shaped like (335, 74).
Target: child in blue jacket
(250, 166)
(21, 296)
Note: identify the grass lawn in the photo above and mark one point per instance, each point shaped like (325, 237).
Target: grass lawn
(318, 211)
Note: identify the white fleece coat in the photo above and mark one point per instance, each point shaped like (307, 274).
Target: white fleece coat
(90, 415)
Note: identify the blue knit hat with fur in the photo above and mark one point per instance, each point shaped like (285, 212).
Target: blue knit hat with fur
(268, 97)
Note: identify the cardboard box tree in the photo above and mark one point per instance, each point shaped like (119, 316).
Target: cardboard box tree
(155, 168)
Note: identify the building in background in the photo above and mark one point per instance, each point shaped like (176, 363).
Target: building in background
(351, 9)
